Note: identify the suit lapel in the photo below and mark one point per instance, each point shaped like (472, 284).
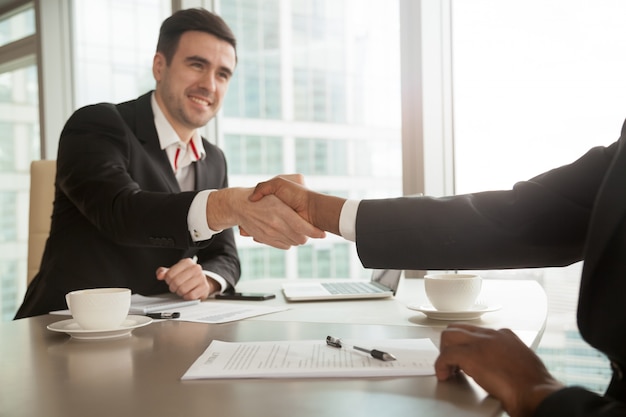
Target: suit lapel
(147, 134)
(203, 174)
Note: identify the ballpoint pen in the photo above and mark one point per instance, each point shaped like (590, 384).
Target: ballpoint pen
(163, 315)
(377, 354)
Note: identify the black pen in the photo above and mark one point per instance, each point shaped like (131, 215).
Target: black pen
(377, 354)
(163, 315)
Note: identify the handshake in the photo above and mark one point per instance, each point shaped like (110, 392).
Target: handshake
(280, 212)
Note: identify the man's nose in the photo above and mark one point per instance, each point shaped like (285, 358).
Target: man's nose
(209, 81)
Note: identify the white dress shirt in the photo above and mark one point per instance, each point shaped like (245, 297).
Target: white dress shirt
(181, 156)
(347, 219)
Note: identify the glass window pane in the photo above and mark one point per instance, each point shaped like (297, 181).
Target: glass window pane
(253, 154)
(306, 263)
(256, 84)
(324, 263)
(111, 64)
(7, 147)
(341, 257)
(276, 264)
(16, 26)
(526, 101)
(9, 272)
(322, 79)
(273, 155)
(256, 155)
(234, 148)
(8, 216)
(19, 145)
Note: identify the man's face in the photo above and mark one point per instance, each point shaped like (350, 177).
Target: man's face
(191, 88)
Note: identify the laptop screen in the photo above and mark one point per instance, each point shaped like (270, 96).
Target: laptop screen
(387, 277)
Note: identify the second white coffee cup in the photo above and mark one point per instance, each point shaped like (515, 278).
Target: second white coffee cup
(452, 292)
(99, 308)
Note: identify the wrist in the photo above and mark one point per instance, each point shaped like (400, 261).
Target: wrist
(220, 213)
(536, 396)
(326, 211)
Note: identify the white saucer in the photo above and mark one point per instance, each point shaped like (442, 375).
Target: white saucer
(474, 312)
(73, 329)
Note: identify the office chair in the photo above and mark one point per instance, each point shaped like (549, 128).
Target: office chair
(42, 174)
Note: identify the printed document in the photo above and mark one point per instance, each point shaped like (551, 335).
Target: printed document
(312, 359)
(219, 312)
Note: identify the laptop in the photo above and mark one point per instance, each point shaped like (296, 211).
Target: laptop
(383, 284)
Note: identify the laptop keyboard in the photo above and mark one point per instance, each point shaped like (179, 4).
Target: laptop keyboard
(351, 288)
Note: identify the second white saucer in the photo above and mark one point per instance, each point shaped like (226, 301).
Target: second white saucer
(476, 311)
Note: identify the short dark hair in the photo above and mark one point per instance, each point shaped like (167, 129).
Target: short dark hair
(191, 19)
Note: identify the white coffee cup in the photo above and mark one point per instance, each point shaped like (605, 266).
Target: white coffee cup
(99, 308)
(452, 292)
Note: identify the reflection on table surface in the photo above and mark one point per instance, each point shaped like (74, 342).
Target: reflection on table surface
(45, 373)
(524, 307)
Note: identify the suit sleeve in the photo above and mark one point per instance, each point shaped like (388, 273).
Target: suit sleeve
(105, 172)
(540, 222)
(221, 255)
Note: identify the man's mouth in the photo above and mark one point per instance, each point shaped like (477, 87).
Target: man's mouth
(201, 101)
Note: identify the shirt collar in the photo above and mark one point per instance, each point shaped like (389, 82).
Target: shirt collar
(166, 133)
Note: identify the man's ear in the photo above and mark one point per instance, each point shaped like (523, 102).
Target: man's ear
(158, 65)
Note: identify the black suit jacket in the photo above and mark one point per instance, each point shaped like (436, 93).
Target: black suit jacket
(118, 211)
(572, 213)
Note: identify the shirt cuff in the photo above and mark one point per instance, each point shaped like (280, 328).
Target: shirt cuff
(196, 218)
(347, 219)
(218, 278)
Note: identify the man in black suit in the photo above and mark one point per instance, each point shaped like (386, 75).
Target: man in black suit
(572, 213)
(128, 210)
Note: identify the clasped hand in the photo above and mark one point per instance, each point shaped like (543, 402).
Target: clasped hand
(277, 215)
(187, 280)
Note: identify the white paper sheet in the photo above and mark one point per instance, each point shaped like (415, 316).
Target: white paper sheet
(312, 359)
(141, 304)
(218, 312)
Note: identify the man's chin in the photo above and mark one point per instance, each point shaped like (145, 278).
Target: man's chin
(198, 122)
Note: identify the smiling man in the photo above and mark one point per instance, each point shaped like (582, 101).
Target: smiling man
(141, 199)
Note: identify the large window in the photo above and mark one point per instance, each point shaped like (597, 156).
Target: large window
(536, 84)
(17, 25)
(316, 91)
(114, 43)
(256, 92)
(253, 154)
(19, 144)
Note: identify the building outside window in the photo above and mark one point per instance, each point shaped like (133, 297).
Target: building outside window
(114, 43)
(316, 91)
(19, 144)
